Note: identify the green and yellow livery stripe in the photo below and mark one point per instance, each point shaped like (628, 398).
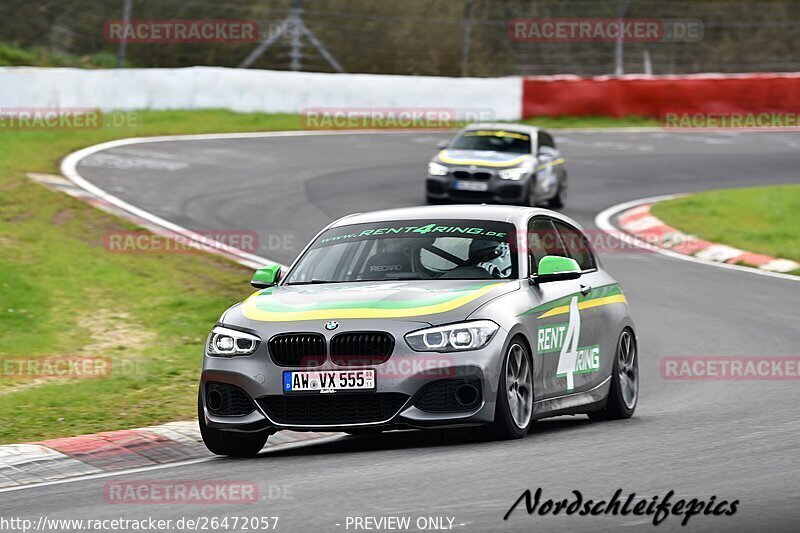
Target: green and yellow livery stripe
(554, 162)
(607, 295)
(444, 158)
(257, 307)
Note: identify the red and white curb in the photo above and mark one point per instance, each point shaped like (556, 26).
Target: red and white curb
(112, 451)
(632, 222)
(643, 225)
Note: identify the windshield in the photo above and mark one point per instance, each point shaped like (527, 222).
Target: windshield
(409, 250)
(494, 140)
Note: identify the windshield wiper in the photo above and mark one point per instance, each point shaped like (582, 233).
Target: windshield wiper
(316, 282)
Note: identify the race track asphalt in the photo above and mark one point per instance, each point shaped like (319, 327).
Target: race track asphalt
(738, 440)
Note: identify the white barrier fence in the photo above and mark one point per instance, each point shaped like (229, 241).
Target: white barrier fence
(255, 91)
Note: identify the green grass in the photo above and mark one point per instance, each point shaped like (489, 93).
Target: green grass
(592, 122)
(62, 294)
(12, 56)
(764, 220)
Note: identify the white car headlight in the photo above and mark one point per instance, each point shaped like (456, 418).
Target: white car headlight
(453, 337)
(514, 174)
(229, 342)
(435, 169)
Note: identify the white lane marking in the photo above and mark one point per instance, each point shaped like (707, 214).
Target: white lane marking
(266, 451)
(109, 474)
(122, 162)
(603, 222)
(69, 168)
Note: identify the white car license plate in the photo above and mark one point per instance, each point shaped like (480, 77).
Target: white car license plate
(479, 186)
(328, 380)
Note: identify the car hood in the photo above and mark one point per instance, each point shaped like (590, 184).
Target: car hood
(432, 301)
(482, 158)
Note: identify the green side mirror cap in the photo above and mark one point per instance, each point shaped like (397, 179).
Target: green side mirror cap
(266, 276)
(556, 268)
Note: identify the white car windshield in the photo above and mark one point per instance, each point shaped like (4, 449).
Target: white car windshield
(409, 250)
(493, 140)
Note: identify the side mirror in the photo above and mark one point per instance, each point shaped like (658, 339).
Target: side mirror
(441, 145)
(545, 152)
(556, 268)
(266, 276)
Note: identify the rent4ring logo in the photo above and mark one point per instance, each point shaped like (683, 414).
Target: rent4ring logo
(563, 338)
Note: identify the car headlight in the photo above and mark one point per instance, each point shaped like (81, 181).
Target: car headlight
(453, 337)
(227, 342)
(435, 169)
(514, 174)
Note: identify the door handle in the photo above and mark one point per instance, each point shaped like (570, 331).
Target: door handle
(586, 289)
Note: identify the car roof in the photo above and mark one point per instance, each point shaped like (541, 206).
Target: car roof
(519, 128)
(500, 213)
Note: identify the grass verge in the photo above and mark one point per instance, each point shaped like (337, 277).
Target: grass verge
(593, 122)
(12, 56)
(762, 219)
(62, 294)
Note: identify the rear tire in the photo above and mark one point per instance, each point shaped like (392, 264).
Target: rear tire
(513, 414)
(624, 392)
(221, 442)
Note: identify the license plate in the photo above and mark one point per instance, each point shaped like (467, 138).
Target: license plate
(328, 380)
(479, 186)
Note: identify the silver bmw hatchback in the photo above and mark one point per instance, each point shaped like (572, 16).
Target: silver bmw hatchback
(423, 317)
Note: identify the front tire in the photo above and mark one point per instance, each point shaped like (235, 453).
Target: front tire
(221, 442)
(624, 392)
(513, 413)
(557, 201)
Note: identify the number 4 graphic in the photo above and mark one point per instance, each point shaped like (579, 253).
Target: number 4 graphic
(569, 350)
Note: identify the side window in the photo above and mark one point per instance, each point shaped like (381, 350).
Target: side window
(577, 245)
(545, 139)
(542, 240)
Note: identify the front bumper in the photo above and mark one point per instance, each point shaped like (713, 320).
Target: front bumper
(445, 188)
(412, 390)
